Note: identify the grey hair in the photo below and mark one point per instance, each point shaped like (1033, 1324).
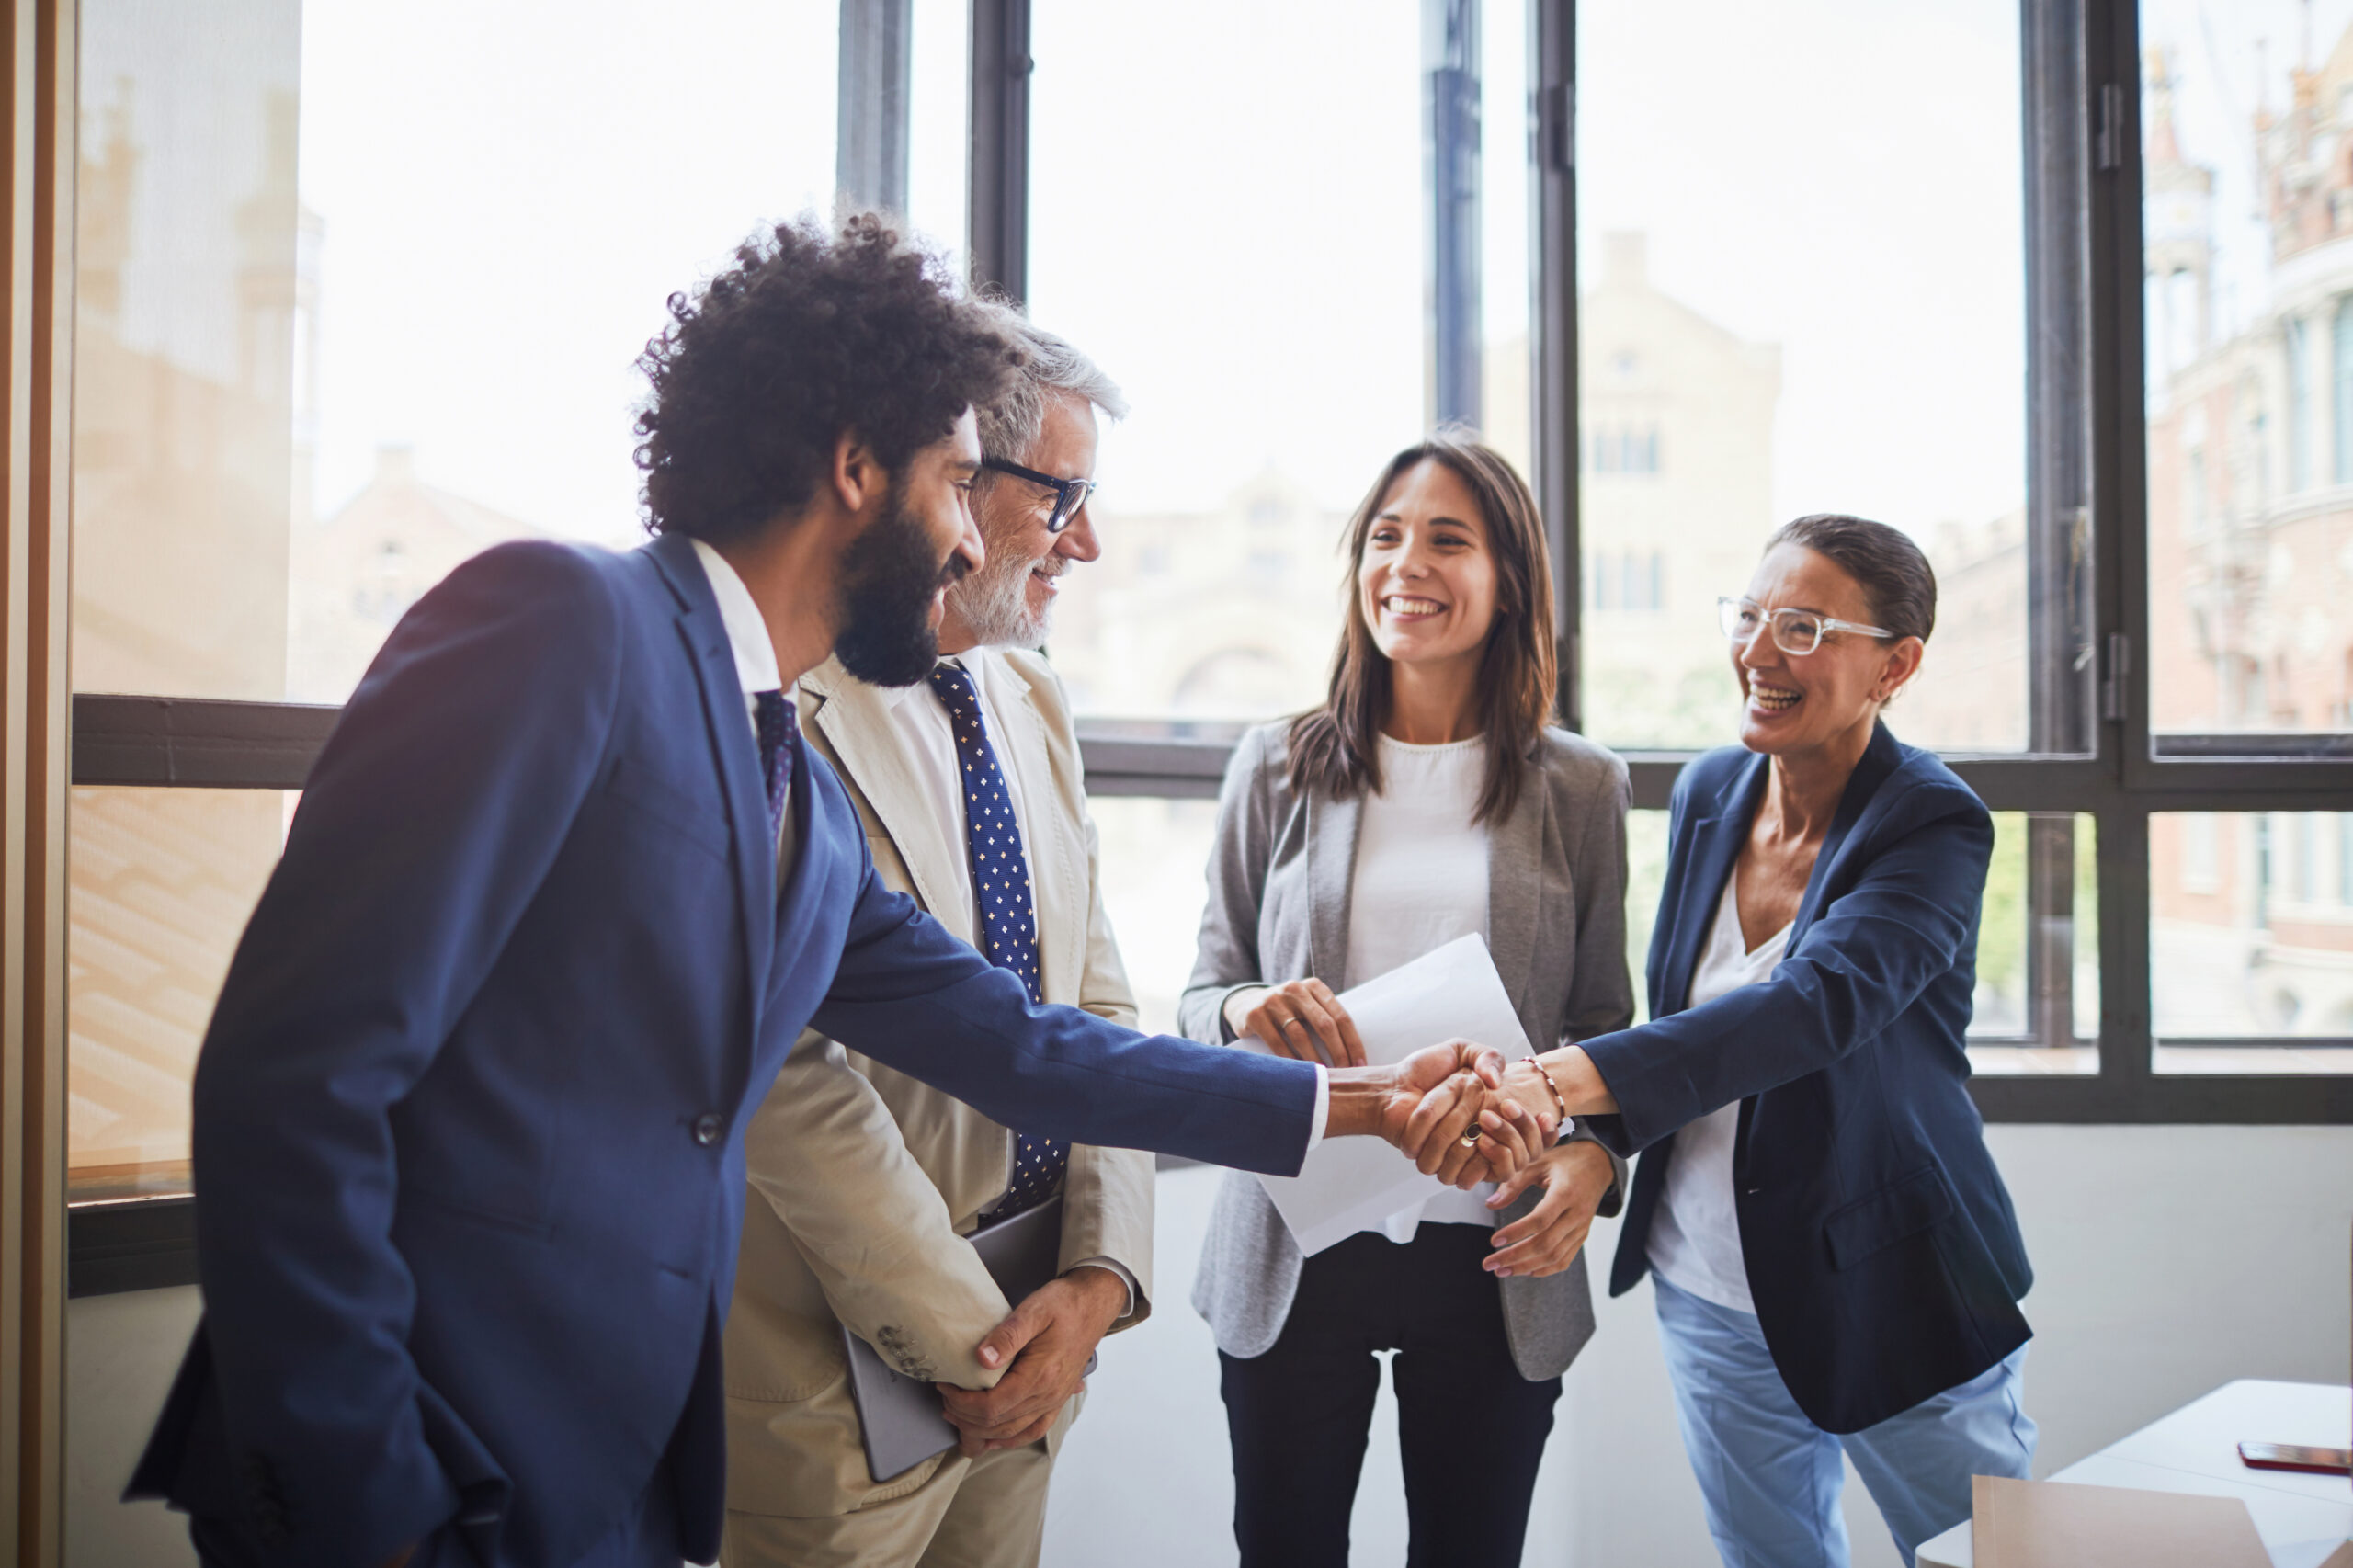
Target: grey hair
(1050, 365)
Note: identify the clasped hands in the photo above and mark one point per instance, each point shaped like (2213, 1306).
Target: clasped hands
(1458, 1112)
(1043, 1346)
(1447, 1107)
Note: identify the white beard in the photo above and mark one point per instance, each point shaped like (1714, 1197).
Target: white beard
(994, 605)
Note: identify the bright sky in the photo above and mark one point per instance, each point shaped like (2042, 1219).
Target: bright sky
(1841, 178)
(510, 193)
(1226, 212)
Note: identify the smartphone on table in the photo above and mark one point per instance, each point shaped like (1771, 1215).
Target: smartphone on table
(2294, 1455)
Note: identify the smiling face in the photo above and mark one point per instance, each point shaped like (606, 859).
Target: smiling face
(1795, 705)
(1426, 577)
(1010, 602)
(895, 573)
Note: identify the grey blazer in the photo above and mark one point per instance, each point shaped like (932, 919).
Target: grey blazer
(1278, 910)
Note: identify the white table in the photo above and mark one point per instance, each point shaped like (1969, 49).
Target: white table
(2300, 1517)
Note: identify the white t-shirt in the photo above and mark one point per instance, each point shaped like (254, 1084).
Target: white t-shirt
(1695, 1237)
(1420, 881)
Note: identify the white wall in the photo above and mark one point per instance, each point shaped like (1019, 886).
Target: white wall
(121, 1353)
(2168, 1260)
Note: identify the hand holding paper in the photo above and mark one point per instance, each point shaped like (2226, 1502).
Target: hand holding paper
(1297, 1019)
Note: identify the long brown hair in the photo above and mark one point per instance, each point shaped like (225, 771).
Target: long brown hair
(1335, 747)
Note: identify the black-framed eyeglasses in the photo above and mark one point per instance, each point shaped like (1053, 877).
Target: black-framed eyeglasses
(1069, 494)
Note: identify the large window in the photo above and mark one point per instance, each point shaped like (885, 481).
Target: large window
(2246, 737)
(1773, 314)
(2247, 137)
(1857, 347)
(2067, 292)
(2251, 940)
(188, 335)
(1292, 277)
(359, 288)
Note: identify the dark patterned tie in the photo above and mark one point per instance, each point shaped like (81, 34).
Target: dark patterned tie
(1008, 924)
(774, 716)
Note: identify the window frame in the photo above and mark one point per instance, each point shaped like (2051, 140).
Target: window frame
(2088, 496)
(2087, 460)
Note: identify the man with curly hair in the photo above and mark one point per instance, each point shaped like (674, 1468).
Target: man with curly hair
(565, 888)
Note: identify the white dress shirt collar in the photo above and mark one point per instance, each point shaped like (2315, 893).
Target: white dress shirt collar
(747, 629)
(975, 663)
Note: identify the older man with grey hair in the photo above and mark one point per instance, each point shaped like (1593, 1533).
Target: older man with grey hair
(970, 787)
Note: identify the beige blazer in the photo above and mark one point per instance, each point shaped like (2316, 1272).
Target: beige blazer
(863, 1181)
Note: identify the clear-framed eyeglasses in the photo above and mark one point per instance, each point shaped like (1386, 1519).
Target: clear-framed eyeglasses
(1795, 632)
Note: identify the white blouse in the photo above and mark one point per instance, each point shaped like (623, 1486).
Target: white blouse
(1695, 1237)
(1420, 881)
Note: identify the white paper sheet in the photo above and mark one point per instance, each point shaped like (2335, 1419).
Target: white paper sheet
(1351, 1183)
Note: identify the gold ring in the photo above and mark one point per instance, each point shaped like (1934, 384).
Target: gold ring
(1470, 1140)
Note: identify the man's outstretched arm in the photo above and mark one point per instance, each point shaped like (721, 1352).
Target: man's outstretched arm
(911, 997)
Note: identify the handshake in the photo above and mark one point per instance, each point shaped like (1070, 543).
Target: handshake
(1455, 1111)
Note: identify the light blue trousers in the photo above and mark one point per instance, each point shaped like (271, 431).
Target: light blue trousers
(1771, 1478)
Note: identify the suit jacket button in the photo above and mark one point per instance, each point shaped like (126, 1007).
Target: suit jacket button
(707, 1126)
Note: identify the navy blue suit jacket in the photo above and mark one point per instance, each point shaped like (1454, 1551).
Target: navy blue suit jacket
(1882, 1248)
(468, 1119)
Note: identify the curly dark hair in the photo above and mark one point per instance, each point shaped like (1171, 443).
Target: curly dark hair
(808, 336)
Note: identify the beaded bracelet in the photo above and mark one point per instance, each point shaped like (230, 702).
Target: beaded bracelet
(1559, 1099)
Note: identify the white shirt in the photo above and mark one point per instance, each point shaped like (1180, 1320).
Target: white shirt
(1420, 880)
(1694, 1237)
(755, 669)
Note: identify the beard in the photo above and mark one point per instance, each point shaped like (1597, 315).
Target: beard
(889, 575)
(993, 602)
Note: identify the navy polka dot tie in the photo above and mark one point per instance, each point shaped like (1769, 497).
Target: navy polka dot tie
(1008, 924)
(774, 717)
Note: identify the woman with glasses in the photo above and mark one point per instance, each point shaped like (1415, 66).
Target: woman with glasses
(1836, 1262)
(1428, 798)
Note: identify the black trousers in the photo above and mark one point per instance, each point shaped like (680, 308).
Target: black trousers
(1470, 1427)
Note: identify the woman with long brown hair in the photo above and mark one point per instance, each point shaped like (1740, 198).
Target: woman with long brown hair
(1428, 798)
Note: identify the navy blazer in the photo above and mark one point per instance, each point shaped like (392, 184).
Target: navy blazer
(1882, 1248)
(468, 1119)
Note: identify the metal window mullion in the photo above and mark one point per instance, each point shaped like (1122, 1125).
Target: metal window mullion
(2234, 1101)
(2112, 66)
(1553, 342)
(876, 56)
(2051, 927)
(1450, 138)
(2061, 603)
(997, 172)
(38, 59)
(2109, 90)
(2125, 1001)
